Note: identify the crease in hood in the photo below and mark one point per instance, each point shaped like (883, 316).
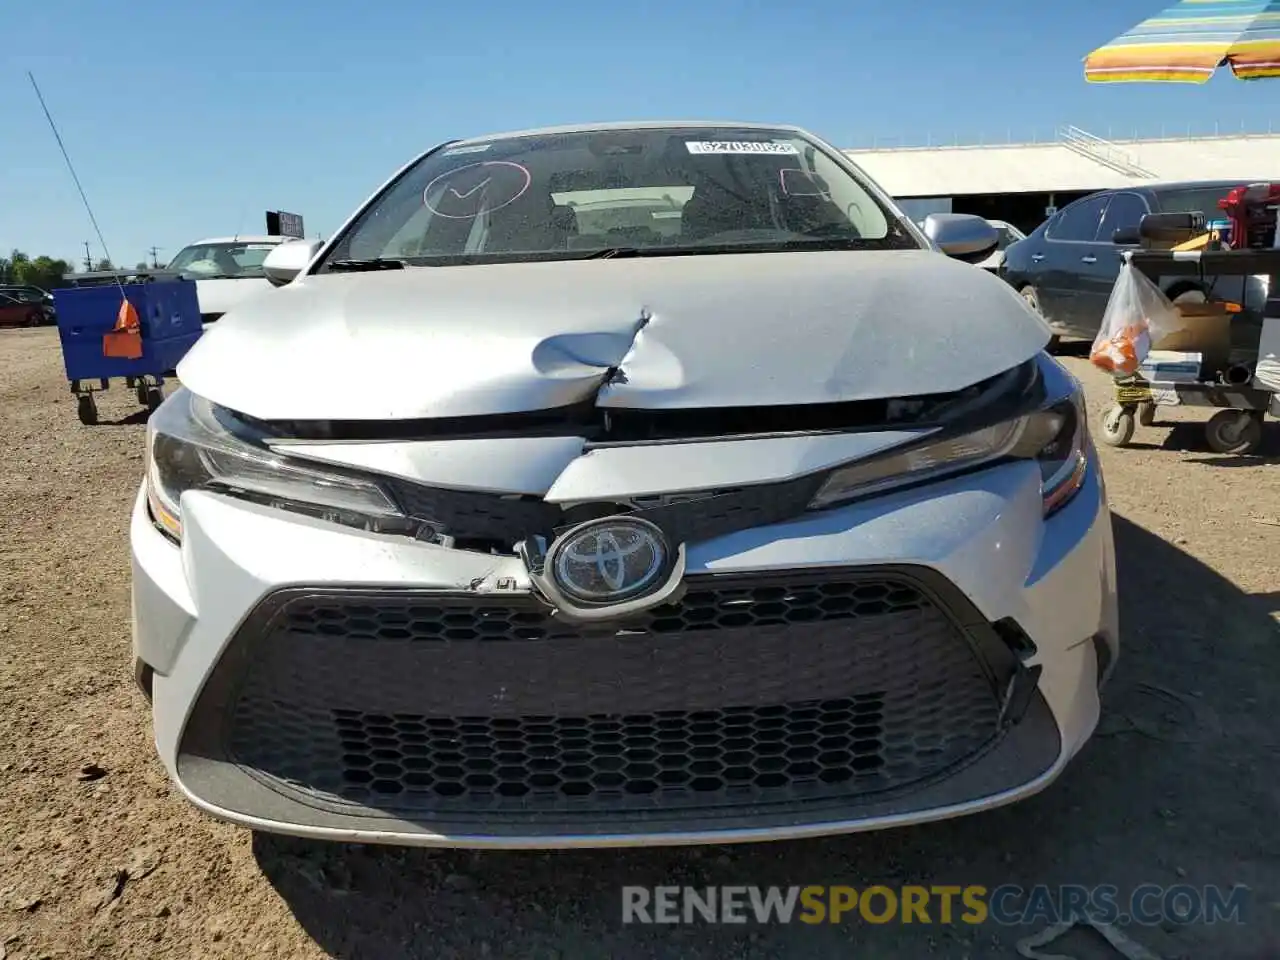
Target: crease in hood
(649, 333)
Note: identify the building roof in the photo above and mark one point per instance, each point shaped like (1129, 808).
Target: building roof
(1077, 161)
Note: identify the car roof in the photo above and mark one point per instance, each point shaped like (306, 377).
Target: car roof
(1194, 184)
(240, 238)
(636, 125)
(1165, 186)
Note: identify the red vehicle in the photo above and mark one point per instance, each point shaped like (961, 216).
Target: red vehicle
(19, 313)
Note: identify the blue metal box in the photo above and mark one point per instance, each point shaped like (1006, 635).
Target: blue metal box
(170, 318)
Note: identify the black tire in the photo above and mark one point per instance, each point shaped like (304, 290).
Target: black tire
(86, 409)
(1117, 426)
(155, 397)
(1189, 295)
(1235, 432)
(1032, 296)
(140, 391)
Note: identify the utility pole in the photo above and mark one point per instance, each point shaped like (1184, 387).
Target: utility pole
(154, 262)
(88, 258)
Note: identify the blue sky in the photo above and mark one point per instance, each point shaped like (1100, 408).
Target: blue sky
(190, 120)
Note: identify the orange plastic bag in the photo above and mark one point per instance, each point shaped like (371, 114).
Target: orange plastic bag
(125, 341)
(1138, 313)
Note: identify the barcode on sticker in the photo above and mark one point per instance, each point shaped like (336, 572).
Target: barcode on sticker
(739, 146)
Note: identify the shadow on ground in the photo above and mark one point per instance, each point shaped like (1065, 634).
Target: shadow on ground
(1176, 788)
(132, 419)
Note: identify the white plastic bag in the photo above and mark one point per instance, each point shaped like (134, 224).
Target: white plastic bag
(1137, 315)
(1266, 376)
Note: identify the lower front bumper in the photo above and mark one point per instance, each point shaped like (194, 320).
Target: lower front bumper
(264, 713)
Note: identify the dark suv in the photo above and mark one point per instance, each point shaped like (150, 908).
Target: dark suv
(1065, 269)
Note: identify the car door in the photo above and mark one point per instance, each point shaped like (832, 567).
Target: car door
(1100, 261)
(12, 313)
(1068, 252)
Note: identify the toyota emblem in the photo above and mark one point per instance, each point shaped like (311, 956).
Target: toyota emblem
(610, 560)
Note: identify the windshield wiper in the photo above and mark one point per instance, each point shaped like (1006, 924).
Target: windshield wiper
(365, 266)
(611, 253)
(619, 253)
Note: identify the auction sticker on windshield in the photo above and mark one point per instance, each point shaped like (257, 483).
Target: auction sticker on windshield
(471, 148)
(739, 146)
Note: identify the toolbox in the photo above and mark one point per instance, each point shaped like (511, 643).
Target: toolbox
(169, 324)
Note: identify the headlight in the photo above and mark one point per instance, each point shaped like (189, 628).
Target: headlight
(1054, 437)
(191, 445)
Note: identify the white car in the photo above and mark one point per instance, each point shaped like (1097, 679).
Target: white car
(1008, 234)
(227, 270)
(495, 527)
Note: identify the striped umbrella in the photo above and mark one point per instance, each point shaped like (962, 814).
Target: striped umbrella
(1189, 41)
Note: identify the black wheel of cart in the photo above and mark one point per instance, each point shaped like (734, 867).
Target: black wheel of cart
(1146, 414)
(86, 409)
(141, 392)
(154, 397)
(1234, 431)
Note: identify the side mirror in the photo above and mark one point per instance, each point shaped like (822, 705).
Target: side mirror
(962, 235)
(1126, 236)
(288, 260)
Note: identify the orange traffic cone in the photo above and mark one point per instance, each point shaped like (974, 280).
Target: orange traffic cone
(125, 341)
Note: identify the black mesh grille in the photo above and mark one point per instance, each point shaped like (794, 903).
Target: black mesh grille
(746, 694)
(715, 513)
(421, 619)
(689, 518)
(476, 515)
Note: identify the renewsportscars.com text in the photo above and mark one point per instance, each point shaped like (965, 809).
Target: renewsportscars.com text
(1008, 904)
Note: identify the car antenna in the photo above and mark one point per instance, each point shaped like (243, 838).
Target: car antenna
(92, 219)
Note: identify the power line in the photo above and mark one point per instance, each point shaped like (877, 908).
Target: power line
(65, 156)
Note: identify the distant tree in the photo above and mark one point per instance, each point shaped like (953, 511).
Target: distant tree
(141, 265)
(104, 264)
(44, 272)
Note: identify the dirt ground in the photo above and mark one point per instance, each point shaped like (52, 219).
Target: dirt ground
(100, 858)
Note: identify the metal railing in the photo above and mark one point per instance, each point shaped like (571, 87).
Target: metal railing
(1095, 148)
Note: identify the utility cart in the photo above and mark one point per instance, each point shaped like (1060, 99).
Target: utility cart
(87, 307)
(1227, 359)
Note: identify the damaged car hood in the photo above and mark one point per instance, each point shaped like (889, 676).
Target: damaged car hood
(650, 333)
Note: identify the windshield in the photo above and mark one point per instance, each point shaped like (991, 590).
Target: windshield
(23, 294)
(1009, 234)
(207, 261)
(645, 191)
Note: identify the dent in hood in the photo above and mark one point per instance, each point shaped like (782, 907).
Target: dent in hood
(656, 333)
